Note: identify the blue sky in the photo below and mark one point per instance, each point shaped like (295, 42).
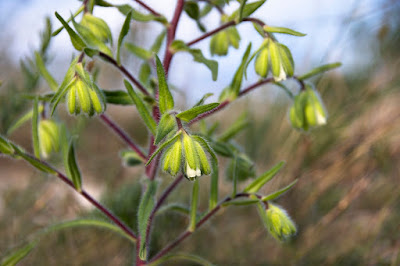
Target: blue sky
(322, 20)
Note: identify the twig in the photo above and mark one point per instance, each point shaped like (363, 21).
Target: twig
(148, 8)
(122, 134)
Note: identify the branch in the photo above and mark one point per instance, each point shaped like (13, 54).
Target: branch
(145, 6)
(88, 197)
(122, 134)
(125, 71)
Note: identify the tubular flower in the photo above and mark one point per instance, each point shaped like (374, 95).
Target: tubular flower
(97, 27)
(308, 110)
(221, 41)
(49, 137)
(279, 223)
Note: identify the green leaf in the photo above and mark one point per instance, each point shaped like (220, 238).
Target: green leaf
(76, 41)
(180, 256)
(5, 146)
(15, 257)
(144, 73)
(139, 51)
(240, 202)
(72, 168)
(35, 129)
(257, 184)
(193, 206)
(192, 113)
(278, 193)
(138, 16)
(145, 208)
(144, 113)
(283, 30)
(192, 9)
(246, 10)
(25, 118)
(165, 144)
(45, 74)
(42, 166)
(122, 34)
(241, 123)
(165, 126)
(118, 97)
(166, 101)
(203, 99)
(56, 32)
(212, 65)
(131, 158)
(241, 9)
(155, 48)
(174, 207)
(319, 70)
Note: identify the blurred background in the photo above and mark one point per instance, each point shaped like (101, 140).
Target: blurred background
(347, 200)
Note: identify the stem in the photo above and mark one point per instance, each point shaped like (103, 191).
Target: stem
(187, 233)
(121, 133)
(125, 71)
(88, 197)
(85, 9)
(148, 8)
(171, 34)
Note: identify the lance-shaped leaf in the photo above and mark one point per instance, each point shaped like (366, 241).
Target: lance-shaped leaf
(257, 184)
(192, 113)
(193, 206)
(139, 51)
(175, 207)
(246, 9)
(56, 32)
(241, 123)
(25, 118)
(5, 146)
(203, 99)
(35, 128)
(122, 34)
(45, 74)
(144, 113)
(279, 192)
(76, 41)
(165, 126)
(166, 101)
(72, 168)
(212, 65)
(155, 48)
(241, 202)
(283, 30)
(118, 97)
(15, 257)
(138, 16)
(42, 166)
(145, 208)
(319, 70)
(162, 146)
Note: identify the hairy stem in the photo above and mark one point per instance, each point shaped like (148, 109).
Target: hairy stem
(123, 135)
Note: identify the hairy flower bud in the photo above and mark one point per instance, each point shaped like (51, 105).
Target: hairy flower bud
(279, 224)
(49, 137)
(308, 110)
(98, 27)
(221, 41)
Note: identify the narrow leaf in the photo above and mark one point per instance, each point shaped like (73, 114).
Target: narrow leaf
(35, 128)
(192, 113)
(320, 70)
(257, 184)
(118, 97)
(193, 206)
(174, 207)
(56, 32)
(162, 146)
(122, 35)
(283, 30)
(166, 101)
(72, 168)
(18, 255)
(138, 51)
(165, 126)
(155, 48)
(25, 118)
(145, 207)
(278, 193)
(45, 74)
(144, 113)
(42, 166)
(203, 99)
(240, 202)
(5, 146)
(76, 41)
(246, 10)
(237, 126)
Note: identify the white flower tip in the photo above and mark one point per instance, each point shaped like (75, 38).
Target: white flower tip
(282, 74)
(191, 173)
(321, 120)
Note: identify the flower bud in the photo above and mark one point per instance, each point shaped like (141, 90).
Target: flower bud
(221, 41)
(172, 159)
(49, 137)
(307, 110)
(98, 27)
(279, 224)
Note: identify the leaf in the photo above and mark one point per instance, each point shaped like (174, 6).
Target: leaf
(155, 48)
(240, 202)
(5, 146)
(166, 101)
(241, 123)
(174, 207)
(76, 41)
(144, 113)
(131, 158)
(278, 193)
(283, 30)
(138, 16)
(193, 206)
(165, 144)
(203, 99)
(18, 255)
(118, 97)
(72, 168)
(122, 35)
(257, 184)
(56, 32)
(45, 74)
(139, 51)
(144, 73)
(165, 126)
(241, 9)
(42, 166)
(145, 208)
(319, 70)
(35, 129)
(246, 10)
(25, 118)
(192, 113)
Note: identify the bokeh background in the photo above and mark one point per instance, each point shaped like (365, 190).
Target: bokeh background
(346, 202)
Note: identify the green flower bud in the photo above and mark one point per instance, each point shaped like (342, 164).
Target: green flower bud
(279, 224)
(221, 41)
(205, 167)
(98, 27)
(172, 158)
(308, 110)
(49, 137)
